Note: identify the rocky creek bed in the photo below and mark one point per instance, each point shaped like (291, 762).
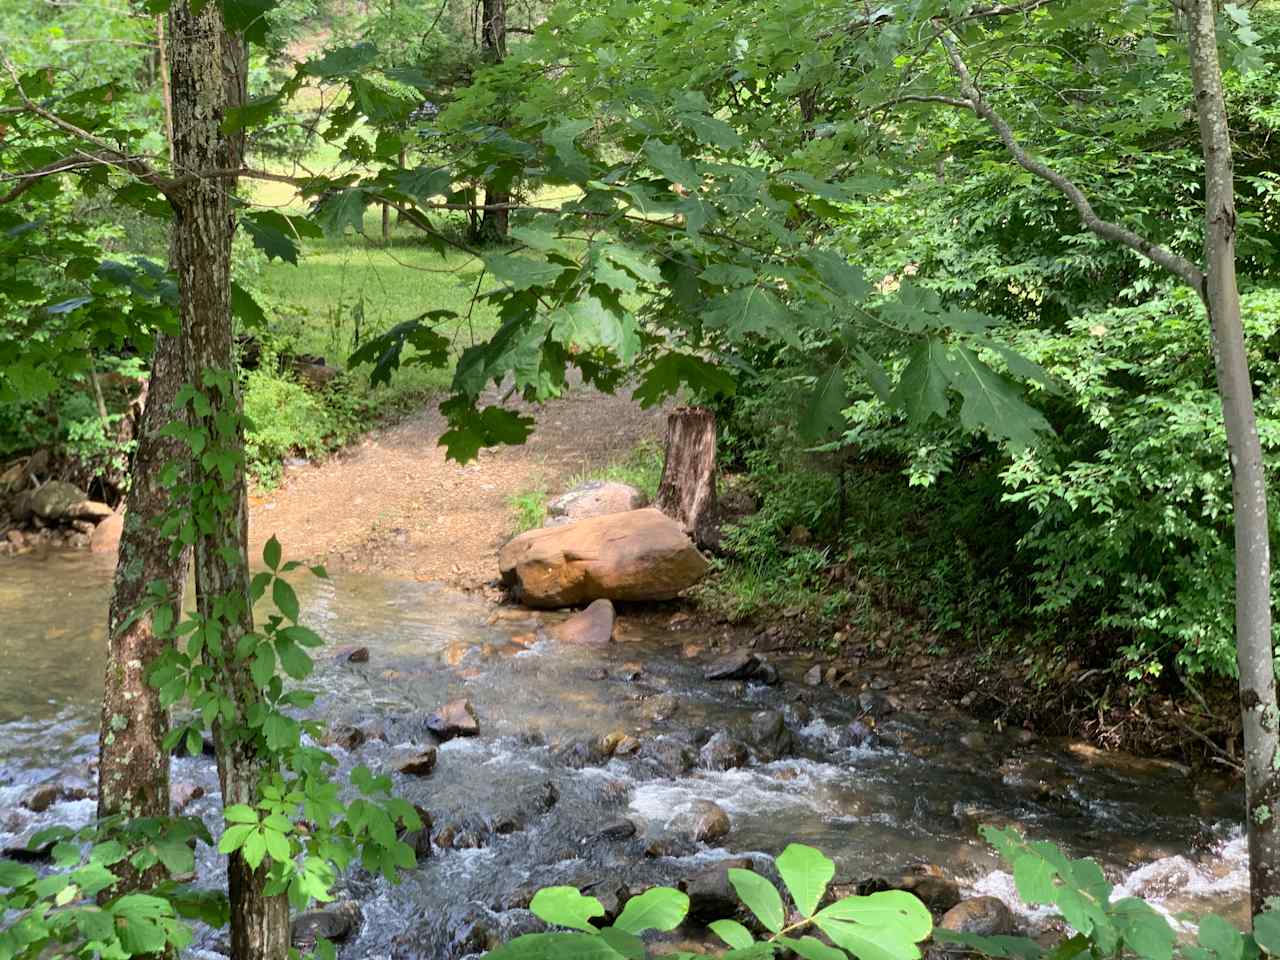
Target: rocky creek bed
(614, 767)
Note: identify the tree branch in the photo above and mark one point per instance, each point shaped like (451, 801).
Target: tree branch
(107, 153)
(1176, 264)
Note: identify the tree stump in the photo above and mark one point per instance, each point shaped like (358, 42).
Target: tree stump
(687, 492)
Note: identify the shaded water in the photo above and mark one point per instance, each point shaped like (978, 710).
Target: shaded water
(916, 794)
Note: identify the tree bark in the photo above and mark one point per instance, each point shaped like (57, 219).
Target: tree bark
(495, 220)
(133, 766)
(1221, 296)
(208, 78)
(687, 491)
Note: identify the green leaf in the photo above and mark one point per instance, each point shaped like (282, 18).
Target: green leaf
(1217, 935)
(568, 162)
(233, 838)
(1266, 930)
(889, 910)
(271, 553)
(555, 946)
(811, 948)
(922, 388)
(285, 599)
(1020, 948)
(669, 372)
(1144, 930)
(293, 659)
(343, 209)
(263, 666)
(661, 908)
(824, 413)
(668, 161)
(628, 945)
(992, 403)
(521, 273)
(240, 813)
(342, 62)
(14, 875)
(732, 932)
(566, 907)
(254, 848)
(750, 310)
(760, 896)
(806, 872)
(868, 943)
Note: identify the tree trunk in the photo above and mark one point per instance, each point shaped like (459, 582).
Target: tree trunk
(133, 766)
(208, 78)
(1248, 478)
(687, 492)
(493, 39)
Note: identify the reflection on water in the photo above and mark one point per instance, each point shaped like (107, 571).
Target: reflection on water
(53, 617)
(917, 794)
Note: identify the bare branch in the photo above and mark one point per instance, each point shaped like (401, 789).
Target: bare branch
(1178, 265)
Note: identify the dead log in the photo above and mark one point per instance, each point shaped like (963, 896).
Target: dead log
(687, 492)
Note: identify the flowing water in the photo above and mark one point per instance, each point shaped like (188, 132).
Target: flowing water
(527, 800)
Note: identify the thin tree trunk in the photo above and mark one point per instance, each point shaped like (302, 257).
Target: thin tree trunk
(208, 76)
(1248, 478)
(496, 218)
(687, 491)
(133, 766)
(165, 93)
(1216, 285)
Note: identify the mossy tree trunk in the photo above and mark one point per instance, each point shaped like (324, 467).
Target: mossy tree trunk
(133, 766)
(209, 69)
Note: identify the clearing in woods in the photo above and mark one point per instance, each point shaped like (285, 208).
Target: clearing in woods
(392, 503)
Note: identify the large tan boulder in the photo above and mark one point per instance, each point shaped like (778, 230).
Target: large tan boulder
(638, 555)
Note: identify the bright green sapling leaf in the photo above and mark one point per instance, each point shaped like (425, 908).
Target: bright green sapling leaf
(760, 896)
(566, 907)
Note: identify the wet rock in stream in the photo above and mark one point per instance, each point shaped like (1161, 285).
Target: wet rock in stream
(983, 916)
(335, 923)
(590, 627)
(738, 665)
(40, 798)
(723, 752)
(417, 764)
(455, 719)
(669, 756)
(769, 737)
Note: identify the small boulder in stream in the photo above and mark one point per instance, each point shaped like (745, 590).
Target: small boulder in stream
(334, 922)
(417, 764)
(622, 830)
(738, 665)
(672, 758)
(710, 822)
(455, 719)
(769, 737)
(40, 798)
(982, 916)
(634, 556)
(590, 627)
(722, 752)
(351, 654)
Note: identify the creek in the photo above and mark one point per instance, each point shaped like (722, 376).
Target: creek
(914, 793)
